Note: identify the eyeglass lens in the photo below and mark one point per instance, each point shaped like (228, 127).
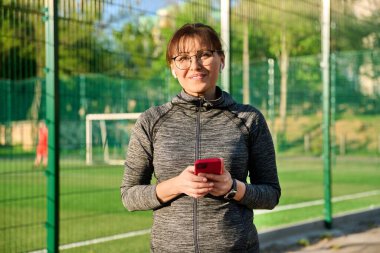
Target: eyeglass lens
(203, 57)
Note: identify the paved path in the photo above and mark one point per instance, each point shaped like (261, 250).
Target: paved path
(352, 233)
(362, 242)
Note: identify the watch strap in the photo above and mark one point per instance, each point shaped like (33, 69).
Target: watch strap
(232, 192)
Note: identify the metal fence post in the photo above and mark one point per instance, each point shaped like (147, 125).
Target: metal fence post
(8, 124)
(52, 120)
(326, 109)
(225, 14)
(333, 107)
(271, 95)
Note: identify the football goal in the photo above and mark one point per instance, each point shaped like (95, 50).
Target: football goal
(107, 137)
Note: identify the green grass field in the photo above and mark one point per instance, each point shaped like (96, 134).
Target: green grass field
(90, 205)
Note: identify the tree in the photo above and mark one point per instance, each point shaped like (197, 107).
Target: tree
(18, 54)
(243, 15)
(293, 32)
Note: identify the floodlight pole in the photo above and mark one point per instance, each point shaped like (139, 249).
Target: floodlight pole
(52, 120)
(325, 66)
(225, 7)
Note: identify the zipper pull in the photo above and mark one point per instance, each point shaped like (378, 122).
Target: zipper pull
(205, 103)
(200, 103)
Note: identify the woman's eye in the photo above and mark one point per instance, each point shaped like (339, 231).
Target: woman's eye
(206, 54)
(182, 58)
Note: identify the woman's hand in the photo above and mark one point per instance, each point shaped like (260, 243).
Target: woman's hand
(192, 185)
(222, 183)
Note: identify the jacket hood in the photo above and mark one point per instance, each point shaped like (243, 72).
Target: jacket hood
(187, 101)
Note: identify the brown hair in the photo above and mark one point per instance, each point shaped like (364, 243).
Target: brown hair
(203, 32)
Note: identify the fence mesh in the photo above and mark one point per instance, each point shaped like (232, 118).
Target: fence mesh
(112, 60)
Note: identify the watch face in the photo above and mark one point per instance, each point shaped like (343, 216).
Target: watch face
(231, 194)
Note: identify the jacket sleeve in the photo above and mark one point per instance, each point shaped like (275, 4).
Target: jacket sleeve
(137, 192)
(263, 191)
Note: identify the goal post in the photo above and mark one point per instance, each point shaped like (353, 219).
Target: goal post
(103, 118)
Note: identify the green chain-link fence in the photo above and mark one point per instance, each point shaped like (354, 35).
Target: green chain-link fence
(111, 58)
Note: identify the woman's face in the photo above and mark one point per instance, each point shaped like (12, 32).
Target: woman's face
(198, 80)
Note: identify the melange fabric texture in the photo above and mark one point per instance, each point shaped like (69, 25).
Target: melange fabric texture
(168, 138)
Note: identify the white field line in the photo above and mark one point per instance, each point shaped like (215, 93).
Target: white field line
(98, 240)
(257, 212)
(319, 202)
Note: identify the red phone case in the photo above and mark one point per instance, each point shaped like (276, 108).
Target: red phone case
(209, 165)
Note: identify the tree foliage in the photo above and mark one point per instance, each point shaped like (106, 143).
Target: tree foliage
(131, 44)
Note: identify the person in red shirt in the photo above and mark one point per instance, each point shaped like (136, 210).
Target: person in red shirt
(42, 146)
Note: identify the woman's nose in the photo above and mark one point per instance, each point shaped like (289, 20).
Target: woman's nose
(194, 62)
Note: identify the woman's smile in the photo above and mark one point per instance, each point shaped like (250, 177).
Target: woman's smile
(198, 76)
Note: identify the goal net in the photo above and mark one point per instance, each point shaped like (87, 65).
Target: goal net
(107, 137)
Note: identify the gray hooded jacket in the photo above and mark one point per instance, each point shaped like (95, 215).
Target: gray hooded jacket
(168, 138)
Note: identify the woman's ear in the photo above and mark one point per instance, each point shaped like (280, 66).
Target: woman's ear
(174, 74)
(221, 64)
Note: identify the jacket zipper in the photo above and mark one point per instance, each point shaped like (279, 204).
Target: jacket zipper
(197, 156)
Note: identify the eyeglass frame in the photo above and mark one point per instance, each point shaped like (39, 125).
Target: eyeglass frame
(196, 56)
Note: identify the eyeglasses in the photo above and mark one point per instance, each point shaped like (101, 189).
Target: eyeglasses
(204, 57)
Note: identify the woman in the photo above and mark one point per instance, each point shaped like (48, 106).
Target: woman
(204, 212)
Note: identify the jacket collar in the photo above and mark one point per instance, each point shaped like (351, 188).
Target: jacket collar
(185, 100)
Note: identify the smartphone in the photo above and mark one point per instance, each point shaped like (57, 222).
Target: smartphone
(209, 165)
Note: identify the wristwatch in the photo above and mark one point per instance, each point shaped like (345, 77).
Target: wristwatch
(231, 194)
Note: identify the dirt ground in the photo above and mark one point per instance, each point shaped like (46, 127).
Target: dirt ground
(353, 234)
